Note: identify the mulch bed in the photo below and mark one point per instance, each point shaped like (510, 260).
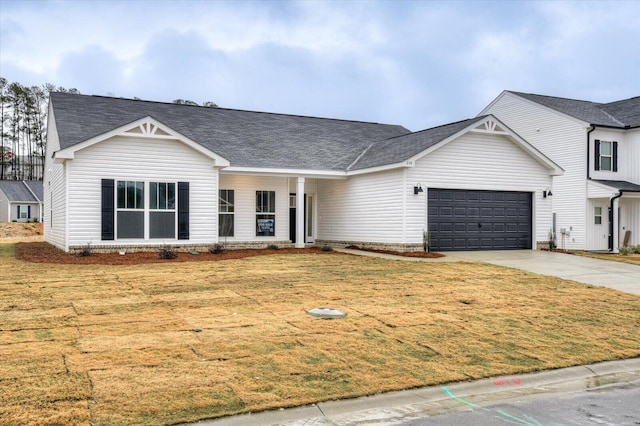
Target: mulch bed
(41, 252)
(428, 255)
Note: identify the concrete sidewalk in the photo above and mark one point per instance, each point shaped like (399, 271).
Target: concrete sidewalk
(397, 407)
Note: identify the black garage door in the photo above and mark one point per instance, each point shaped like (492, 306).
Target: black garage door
(479, 220)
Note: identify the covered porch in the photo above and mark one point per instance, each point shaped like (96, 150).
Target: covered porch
(613, 211)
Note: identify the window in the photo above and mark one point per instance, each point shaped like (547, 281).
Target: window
(606, 158)
(144, 210)
(597, 213)
(24, 212)
(226, 213)
(162, 210)
(130, 212)
(265, 213)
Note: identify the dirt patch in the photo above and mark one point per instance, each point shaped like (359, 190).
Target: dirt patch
(428, 255)
(18, 230)
(41, 252)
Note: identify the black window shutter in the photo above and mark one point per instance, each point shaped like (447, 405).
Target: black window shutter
(108, 211)
(183, 210)
(615, 156)
(597, 155)
(18, 212)
(28, 212)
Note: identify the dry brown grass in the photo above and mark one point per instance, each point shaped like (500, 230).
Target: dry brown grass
(632, 258)
(114, 345)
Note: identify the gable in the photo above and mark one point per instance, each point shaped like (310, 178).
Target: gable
(404, 151)
(146, 128)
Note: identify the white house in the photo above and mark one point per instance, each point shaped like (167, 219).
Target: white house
(134, 174)
(596, 203)
(20, 201)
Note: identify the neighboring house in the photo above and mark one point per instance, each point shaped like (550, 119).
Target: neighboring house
(136, 175)
(21, 201)
(596, 203)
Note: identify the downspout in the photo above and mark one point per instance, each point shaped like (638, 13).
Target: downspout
(611, 216)
(593, 127)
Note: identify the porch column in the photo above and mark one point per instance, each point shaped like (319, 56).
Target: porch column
(300, 213)
(615, 224)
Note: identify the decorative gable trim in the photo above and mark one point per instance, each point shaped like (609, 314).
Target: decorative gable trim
(145, 128)
(491, 125)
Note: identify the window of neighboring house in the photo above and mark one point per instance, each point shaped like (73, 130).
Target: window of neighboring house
(162, 210)
(24, 212)
(597, 214)
(606, 156)
(226, 210)
(265, 213)
(130, 209)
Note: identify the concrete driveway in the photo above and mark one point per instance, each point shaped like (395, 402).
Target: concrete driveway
(604, 273)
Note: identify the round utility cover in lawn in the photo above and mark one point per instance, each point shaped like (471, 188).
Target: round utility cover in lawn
(328, 313)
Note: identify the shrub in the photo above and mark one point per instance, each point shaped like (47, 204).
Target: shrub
(625, 251)
(167, 252)
(217, 249)
(636, 249)
(85, 252)
(272, 247)
(552, 240)
(327, 248)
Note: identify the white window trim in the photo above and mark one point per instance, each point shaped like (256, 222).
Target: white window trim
(267, 213)
(609, 156)
(597, 215)
(232, 213)
(146, 210)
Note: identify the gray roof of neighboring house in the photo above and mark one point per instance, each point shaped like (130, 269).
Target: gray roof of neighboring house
(620, 185)
(22, 191)
(403, 147)
(625, 113)
(245, 138)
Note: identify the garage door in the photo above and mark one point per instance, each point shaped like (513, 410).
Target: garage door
(479, 220)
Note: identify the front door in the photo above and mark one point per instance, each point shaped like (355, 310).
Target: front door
(309, 236)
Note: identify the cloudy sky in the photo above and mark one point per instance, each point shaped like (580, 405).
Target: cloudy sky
(414, 63)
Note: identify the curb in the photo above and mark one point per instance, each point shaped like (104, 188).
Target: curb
(411, 404)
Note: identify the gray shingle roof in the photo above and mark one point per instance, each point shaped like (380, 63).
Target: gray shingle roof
(625, 113)
(245, 138)
(403, 147)
(18, 191)
(620, 185)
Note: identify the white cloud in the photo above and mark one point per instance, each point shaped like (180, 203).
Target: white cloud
(413, 63)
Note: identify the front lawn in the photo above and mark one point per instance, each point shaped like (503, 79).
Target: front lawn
(175, 342)
(632, 258)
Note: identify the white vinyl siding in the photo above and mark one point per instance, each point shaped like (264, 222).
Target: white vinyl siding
(478, 162)
(606, 138)
(629, 164)
(365, 208)
(564, 140)
(245, 188)
(55, 188)
(119, 159)
(630, 219)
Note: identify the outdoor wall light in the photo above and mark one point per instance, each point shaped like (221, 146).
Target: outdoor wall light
(546, 193)
(417, 189)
